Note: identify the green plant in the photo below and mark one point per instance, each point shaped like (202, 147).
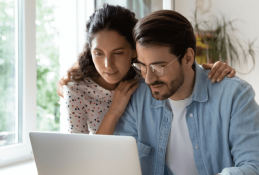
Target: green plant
(47, 54)
(222, 45)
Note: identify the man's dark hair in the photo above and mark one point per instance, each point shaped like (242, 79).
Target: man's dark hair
(167, 28)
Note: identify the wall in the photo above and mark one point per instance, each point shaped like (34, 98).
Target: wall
(246, 11)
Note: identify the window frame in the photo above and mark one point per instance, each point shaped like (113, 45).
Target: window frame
(26, 47)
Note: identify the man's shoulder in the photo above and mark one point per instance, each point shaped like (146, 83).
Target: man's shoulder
(227, 84)
(143, 88)
(141, 93)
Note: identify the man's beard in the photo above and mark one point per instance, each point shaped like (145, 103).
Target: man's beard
(173, 87)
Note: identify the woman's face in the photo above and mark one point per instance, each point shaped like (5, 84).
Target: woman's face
(112, 55)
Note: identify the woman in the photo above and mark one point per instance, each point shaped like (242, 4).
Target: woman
(104, 70)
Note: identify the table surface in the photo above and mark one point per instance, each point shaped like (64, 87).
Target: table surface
(23, 168)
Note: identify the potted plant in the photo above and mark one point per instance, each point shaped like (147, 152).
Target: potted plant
(215, 42)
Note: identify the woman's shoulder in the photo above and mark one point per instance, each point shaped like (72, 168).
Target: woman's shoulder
(83, 83)
(74, 88)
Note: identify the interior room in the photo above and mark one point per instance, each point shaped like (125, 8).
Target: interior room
(41, 39)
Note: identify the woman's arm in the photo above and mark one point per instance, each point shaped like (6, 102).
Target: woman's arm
(120, 100)
(219, 71)
(73, 111)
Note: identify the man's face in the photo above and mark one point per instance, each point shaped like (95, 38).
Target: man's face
(166, 86)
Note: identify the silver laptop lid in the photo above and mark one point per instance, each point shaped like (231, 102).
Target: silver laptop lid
(71, 154)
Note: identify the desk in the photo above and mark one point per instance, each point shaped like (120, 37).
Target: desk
(23, 168)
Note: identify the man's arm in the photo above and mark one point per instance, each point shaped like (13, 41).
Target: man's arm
(244, 133)
(127, 124)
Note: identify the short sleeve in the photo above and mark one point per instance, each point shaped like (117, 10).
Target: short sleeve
(72, 110)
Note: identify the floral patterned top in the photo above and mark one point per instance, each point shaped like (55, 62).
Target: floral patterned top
(85, 105)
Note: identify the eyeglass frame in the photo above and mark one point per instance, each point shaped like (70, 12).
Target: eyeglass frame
(152, 68)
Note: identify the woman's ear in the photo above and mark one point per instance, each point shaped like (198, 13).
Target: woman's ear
(189, 58)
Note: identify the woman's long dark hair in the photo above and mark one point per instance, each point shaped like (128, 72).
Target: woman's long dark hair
(108, 17)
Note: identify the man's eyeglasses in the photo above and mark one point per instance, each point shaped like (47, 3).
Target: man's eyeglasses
(156, 69)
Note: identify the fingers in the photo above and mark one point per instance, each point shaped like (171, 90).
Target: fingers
(130, 85)
(216, 76)
(124, 83)
(124, 86)
(220, 71)
(207, 65)
(133, 88)
(232, 73)
(214, 69)
(223, 74)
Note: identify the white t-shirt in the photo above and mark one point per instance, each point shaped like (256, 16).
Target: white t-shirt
(179, 153)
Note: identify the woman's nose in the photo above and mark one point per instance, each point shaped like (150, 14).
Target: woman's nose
(109, 63)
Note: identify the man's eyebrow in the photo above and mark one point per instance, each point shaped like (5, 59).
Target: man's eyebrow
(120, 48)
(157, 62)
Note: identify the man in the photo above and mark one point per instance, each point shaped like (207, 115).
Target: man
(183, 124)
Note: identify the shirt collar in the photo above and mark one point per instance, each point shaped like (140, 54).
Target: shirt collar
(200, 91)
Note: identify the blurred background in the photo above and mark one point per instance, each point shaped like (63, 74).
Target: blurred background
(226, 30)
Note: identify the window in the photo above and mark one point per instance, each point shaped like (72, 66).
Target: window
(47, 55)
(60, 37)
(140, 7)
(18, 75)
(11, 73)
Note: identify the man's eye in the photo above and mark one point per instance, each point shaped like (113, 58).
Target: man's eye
(158, 66)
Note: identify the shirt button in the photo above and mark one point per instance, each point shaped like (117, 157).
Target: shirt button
(165, 119)
(196, 147)
(191, 115)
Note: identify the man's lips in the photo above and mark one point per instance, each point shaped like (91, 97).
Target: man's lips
(157, 87)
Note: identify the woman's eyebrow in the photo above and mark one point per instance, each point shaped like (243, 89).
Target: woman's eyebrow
(120, 48)
(97, 49)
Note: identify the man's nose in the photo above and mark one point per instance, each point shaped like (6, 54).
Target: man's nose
(150, 76)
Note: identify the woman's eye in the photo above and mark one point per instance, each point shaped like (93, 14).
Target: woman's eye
(118, 53)
(98, 53)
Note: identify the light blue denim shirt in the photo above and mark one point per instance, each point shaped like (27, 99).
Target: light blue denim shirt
(223, 123)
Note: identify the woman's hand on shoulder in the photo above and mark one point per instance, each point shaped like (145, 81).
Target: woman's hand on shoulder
(219, 71)
(120, 100)
(122, 96)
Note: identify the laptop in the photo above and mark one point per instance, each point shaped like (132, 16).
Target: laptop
(72, 154)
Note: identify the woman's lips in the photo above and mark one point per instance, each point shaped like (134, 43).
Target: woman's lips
(111, 73)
